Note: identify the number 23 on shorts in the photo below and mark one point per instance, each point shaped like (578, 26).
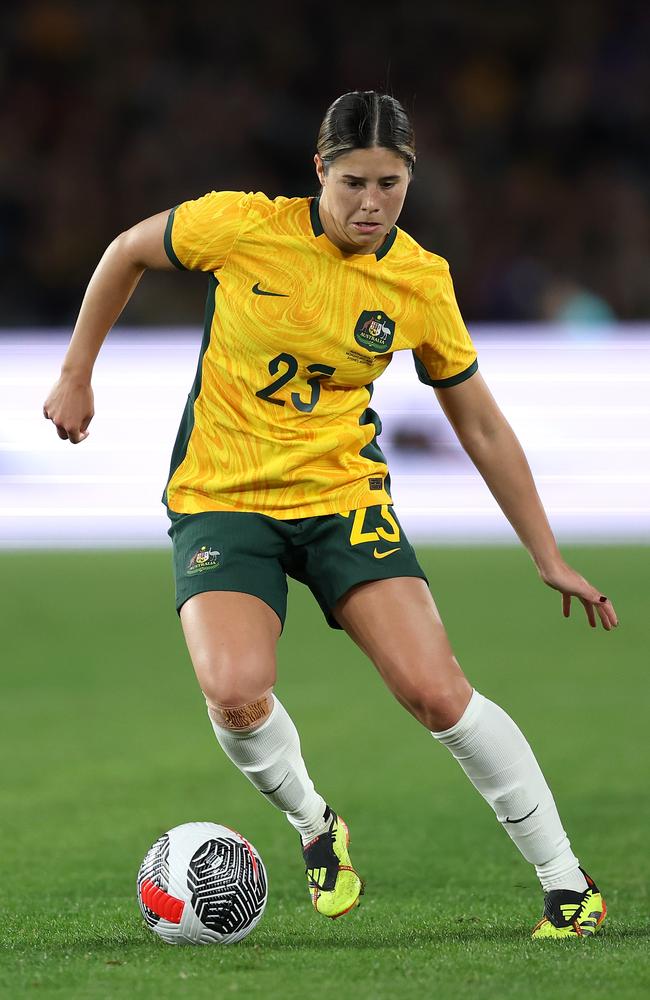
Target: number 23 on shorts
(359, 533)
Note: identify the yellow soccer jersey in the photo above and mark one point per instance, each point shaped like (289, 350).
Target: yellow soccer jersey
(296, 332)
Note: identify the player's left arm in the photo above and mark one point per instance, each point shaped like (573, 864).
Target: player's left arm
(490, 442)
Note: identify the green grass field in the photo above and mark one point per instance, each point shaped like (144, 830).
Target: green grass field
(106, 744)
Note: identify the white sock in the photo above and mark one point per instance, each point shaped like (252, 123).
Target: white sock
(496, 758)
(271, 760)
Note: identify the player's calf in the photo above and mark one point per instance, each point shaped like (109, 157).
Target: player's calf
(268, 753)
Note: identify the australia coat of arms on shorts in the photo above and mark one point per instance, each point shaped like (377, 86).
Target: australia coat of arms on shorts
(374, 331)
(205, 558)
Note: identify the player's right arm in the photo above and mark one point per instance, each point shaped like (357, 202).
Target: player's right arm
(70, 403)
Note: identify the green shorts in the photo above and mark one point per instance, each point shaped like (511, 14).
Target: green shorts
(253, 554)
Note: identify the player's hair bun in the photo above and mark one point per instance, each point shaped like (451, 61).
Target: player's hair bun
(362, 119)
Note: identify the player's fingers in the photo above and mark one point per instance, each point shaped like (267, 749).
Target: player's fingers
(604, 619)
(84, 426)
(75, 436)
(566, 605)
(603, 607)
(606, 613)
(62, 432)
(589, 609)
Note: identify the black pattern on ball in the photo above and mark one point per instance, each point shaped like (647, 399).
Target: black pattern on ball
(228, 888)
(155, 867)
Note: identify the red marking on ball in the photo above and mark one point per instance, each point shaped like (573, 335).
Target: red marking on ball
(161, 903)
(248, 848)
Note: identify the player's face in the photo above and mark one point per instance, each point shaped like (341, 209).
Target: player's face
(362, 197)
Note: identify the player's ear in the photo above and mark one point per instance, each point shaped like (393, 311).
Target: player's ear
(320, 168)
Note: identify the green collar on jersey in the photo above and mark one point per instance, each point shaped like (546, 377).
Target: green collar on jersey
(317, 227)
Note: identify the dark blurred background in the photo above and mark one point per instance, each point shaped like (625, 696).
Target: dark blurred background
(531, 122)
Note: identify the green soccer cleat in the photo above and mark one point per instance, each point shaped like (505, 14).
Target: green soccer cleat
(572, 914)
(334, 886)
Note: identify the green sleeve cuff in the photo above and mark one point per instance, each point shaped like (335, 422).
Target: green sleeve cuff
(169, 249)
(443, 383)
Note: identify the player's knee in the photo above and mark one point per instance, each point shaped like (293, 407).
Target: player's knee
(237, 688)
(438, 704)
(236, 712)
(446, 706)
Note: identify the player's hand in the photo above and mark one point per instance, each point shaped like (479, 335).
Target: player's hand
(571, 584)
(70, 407)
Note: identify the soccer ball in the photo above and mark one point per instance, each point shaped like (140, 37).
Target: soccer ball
(201, 883)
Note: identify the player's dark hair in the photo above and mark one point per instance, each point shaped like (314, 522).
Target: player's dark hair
(362, 119)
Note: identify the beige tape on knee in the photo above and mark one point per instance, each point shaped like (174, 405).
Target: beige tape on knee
(241, 716)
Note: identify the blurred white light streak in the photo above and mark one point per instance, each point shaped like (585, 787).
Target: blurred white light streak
(577, 400)
(65, 480)
(540, 480)
(19, 512)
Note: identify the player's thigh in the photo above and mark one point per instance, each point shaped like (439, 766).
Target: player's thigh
(231, 638)
(231, 593)
(396, 623)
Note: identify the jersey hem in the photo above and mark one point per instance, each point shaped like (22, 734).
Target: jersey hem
(193, 505)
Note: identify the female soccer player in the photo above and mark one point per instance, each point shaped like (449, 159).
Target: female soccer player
(276, 470)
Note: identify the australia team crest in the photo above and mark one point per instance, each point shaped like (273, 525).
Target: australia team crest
(205, 558)
(375, 331)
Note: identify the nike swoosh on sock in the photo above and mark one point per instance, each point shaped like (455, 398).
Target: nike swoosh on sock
(508, 820)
